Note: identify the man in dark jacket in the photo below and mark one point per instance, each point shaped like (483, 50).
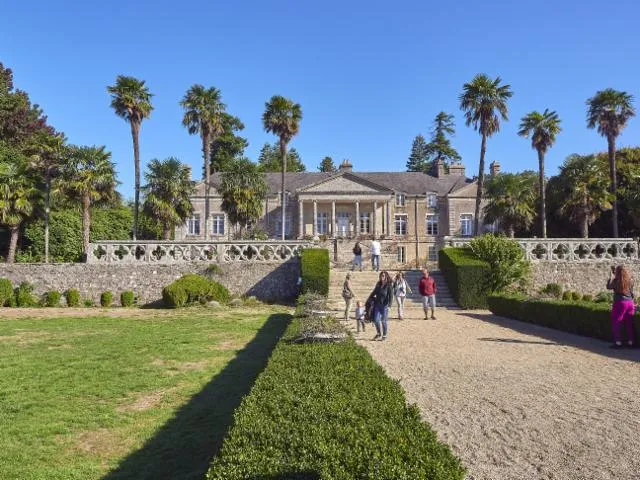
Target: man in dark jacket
(383, 296)
(428, 290)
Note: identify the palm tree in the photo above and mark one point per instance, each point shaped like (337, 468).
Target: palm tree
(583, 181)
(609, 111)
(543, 129)
(511, 200)
(204, 114)
(484, 102)
(89, 176)
(282, 118)
(167, 192)
(131, 101)
(18, 194)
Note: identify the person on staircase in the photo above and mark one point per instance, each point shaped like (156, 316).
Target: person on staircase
(357, 256)
(383, 296)
(347, 294)
(375, 254)
(400, 288)
(428, 289)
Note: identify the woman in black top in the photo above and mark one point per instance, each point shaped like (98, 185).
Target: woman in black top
(383, 296)
(357, 256)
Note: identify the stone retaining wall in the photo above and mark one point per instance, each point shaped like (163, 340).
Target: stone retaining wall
(583, 277)
(266, 281)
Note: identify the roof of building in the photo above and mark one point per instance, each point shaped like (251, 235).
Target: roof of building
(410, 183)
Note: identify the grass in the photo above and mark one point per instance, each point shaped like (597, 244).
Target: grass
(127, 397)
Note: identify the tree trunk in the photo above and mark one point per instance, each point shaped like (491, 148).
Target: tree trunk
(166, 232)
(283, 154)
(47, 209)
(611, 140)
(206, 152)
(585, 217)
(86, 226)
(483, 149)
(13, 243)
(512, 232)
(135, 132)
(543, 200)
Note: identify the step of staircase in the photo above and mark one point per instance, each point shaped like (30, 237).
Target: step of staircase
(363, 283)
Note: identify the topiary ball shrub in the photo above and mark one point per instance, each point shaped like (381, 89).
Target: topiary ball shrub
(52, 298)
(127, 299)
(576, 296)
(73, 297)
(604, 297)
(24, 295)
(193, 289)
(552, 290)
(88, 303)
(567, 296)
(106, 299)
(587, 298)
(6, 292)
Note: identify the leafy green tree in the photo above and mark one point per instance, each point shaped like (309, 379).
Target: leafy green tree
(609, 111)
(511, 200)
(227, 147)
(419, 155)
(542, 128)
(327, 165)
(131, 100)
(89, 176)
(269, 159)
(282, 118)
(18, 194)
(204, 115)
(484, 103)
(584, 190)
(243, 189)
(167, 193)
(507, 263)
(628, 189)
(439, 148)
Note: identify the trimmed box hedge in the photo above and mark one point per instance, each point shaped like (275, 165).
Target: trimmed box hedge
(315, 270)
(466, 276)
(581, 318)
(328, 411)
(192, 289)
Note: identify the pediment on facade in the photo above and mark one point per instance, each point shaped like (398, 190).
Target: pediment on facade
(344, 183)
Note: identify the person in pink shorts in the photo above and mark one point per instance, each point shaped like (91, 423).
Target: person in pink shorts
(623, 305)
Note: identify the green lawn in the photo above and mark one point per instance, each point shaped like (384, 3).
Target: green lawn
(146, 397)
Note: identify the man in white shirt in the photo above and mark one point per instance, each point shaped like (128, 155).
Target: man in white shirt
(375, 255)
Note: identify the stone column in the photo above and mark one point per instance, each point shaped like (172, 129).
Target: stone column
(333, 218)
(315, 218)
(388, 208)
(357, 229)
(375, 218)
(301, 219)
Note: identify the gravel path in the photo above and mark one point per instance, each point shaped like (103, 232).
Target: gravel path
(517, 401)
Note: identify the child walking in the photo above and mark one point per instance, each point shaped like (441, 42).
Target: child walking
(360, 313)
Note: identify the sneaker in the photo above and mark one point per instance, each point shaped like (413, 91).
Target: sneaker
(376, 337)
(384, 337)
(433, 317)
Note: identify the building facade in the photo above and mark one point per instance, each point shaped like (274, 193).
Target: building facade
(410, 212)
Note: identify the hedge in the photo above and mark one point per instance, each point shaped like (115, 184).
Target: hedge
(127, 298)
(6, 292)
(106, 299)
(465, 275)
(327, 410)
(73, 297)
(315, 270)
(52, 298)
(581, 318)
(191, 289)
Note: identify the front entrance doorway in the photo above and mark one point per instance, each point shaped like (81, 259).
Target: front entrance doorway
(342, 221)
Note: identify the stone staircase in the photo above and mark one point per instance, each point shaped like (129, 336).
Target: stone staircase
(363, 283)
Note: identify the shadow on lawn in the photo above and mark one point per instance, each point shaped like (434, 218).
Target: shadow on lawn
(184, 446)
(553, 336)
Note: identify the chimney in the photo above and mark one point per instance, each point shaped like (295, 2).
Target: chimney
(345, 166)
(456, 168)
(439, 168)
(494, 168)
(188, 167)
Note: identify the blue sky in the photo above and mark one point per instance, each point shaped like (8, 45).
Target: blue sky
(369, 75)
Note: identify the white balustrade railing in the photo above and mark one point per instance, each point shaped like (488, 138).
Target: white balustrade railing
(569, 249)
(178, 252)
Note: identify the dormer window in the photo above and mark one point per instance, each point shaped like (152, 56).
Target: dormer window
(400, 200)
(432, 200)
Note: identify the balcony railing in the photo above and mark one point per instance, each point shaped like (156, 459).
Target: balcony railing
(179, 252)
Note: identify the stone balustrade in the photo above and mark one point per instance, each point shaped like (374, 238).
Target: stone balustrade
(179, 252)
(569, 249)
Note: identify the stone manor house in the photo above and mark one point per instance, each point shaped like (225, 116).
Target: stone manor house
(410, 212)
